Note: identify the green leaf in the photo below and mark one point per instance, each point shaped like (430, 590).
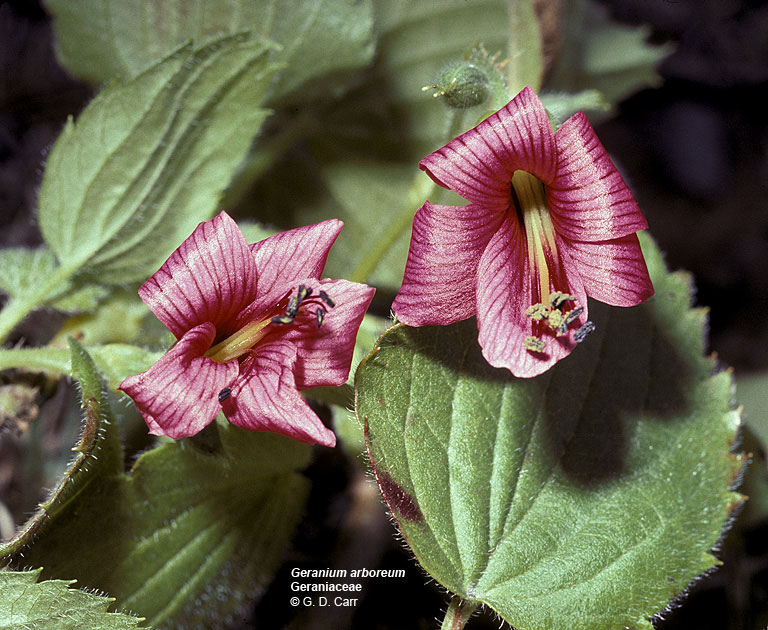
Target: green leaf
(590, 496)
(26, 604)
(116, 361)
(600, 54)
(320, 41)
(149, 159)
(117, 319)
(390, 115)
(194, 532)
(24, 270)
(365, 148)
(752, 393)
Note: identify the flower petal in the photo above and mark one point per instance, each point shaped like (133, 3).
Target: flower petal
(613, 272)
(441, 271)
(324, 353)
(588, 199)
(286, 258)
(479, 164)
(505, 284)
(178, 395)
(210, 278)
(265, 397)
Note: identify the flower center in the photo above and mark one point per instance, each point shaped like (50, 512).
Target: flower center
(531, 200)
(556, 310)
(249, 335)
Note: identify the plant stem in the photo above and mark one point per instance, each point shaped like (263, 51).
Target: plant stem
(458, 613)
(56, 360)
(421, 187)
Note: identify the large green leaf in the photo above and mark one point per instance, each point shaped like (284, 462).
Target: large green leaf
(590, 496)
(24, 270)
(600, 54)
(192, 534)
(320, 41)
(148, 159)
(26, 604)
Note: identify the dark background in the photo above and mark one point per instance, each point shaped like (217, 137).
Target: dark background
(694, 152)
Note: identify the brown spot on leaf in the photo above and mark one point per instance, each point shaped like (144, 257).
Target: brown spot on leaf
(400, 502)
(398, 499)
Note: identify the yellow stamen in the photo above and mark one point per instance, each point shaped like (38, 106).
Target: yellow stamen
(539, 231)
(238, 343)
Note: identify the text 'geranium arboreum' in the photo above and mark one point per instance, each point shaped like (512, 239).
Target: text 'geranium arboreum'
(550, 222)
(255, 324)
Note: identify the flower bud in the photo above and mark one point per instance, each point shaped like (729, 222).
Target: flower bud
(463, 85)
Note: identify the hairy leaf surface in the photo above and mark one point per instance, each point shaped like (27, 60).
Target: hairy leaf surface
(590, 496)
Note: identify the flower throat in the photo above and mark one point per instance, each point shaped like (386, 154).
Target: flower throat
(553, 310)
(249, 335)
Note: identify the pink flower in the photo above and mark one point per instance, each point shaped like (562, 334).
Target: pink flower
(255, 325)
(550, 221)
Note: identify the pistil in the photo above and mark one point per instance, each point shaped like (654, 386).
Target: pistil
(539, 231)
(238, 343)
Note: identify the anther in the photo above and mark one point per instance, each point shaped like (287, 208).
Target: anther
(558, 298)
(581, 333)
(556, 322)
(320, 313)
(538, 311)
(224, 394)
(303, 293)
(327, 299)
(283, 319)
(534, 344)
(293, 307)
(573, 314)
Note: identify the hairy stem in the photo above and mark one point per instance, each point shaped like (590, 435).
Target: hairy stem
(458, 614)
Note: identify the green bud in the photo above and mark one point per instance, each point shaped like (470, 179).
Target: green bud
(463, 85)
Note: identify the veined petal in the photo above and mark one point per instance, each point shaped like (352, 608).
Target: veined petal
(614, 271)
(478, 164)
(265, 397)
(505, 289)
(211, 277)
(324, 353)
(441, 271)
(588, 198)
(178, 395)
(286, 258)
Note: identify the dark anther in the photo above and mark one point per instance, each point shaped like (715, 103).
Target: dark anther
(293, 307)
(303, 293)
(283, 319)
(327, 299)
(573, 314)
(581, 333)
(320, 316)
(224, 394)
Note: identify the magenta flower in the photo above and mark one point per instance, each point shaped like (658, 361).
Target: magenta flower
(255, 325)
(550, 222)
